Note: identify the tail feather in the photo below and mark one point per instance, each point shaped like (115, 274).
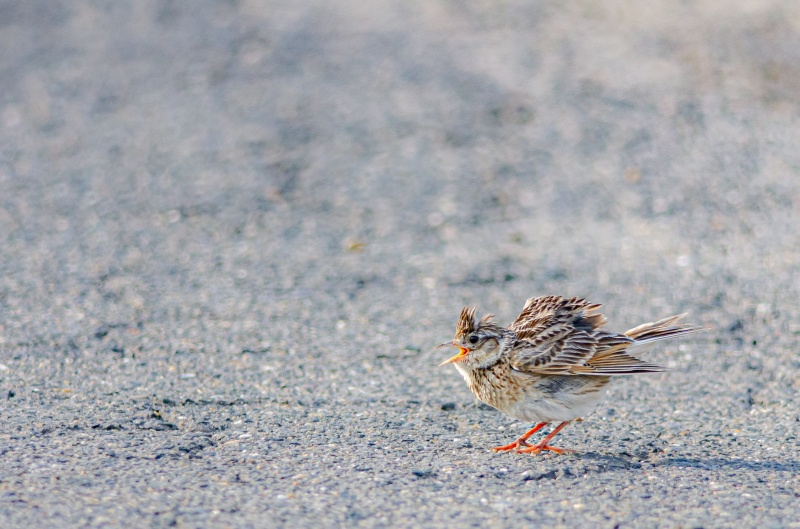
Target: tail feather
(660, 330)
(613, 354)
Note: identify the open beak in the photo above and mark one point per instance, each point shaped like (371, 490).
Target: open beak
(461, 356)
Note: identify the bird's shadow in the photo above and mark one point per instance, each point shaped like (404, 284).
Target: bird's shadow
(611, 462)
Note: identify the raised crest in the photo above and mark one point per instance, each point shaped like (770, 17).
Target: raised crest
(466, 321)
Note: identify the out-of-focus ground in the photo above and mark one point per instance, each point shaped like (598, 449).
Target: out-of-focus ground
(231, 232)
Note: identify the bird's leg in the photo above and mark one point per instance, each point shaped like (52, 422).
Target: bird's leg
(522, 441)
(542, 445)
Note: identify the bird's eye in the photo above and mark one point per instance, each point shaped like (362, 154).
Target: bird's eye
(473, 339)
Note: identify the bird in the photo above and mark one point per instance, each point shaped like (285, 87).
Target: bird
(551, 363)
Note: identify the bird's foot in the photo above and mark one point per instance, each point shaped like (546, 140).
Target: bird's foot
(539, 448)
(522, 441)
(516, 446)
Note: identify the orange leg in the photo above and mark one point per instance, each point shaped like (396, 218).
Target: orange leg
(542, 445)
(522, 441)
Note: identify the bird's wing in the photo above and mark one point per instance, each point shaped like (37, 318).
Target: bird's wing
(613, 355)
(553, 351)
(563, 350)
(542, 313)
(558, 336)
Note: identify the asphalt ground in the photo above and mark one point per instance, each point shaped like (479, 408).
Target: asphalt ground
(232, 231)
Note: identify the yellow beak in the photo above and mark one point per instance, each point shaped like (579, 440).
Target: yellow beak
(460, 357)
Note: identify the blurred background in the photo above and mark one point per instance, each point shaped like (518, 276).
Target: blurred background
(335, 165)
(334, 178)
(291, 201)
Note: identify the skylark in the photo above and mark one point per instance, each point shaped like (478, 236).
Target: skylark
(551, 364)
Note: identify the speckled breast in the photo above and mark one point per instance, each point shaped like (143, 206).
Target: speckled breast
(496, 386)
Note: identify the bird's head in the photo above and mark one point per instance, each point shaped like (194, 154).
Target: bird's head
(479, 342)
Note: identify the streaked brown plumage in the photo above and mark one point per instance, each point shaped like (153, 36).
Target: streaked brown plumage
(552, 362)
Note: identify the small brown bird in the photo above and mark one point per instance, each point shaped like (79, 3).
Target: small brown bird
(551, 364)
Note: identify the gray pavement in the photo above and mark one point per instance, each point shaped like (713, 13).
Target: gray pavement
(231, 232)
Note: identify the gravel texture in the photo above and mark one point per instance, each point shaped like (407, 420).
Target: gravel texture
(231, 231)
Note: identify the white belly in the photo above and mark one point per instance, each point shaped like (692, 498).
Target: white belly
(549, 410)
(560, 398)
